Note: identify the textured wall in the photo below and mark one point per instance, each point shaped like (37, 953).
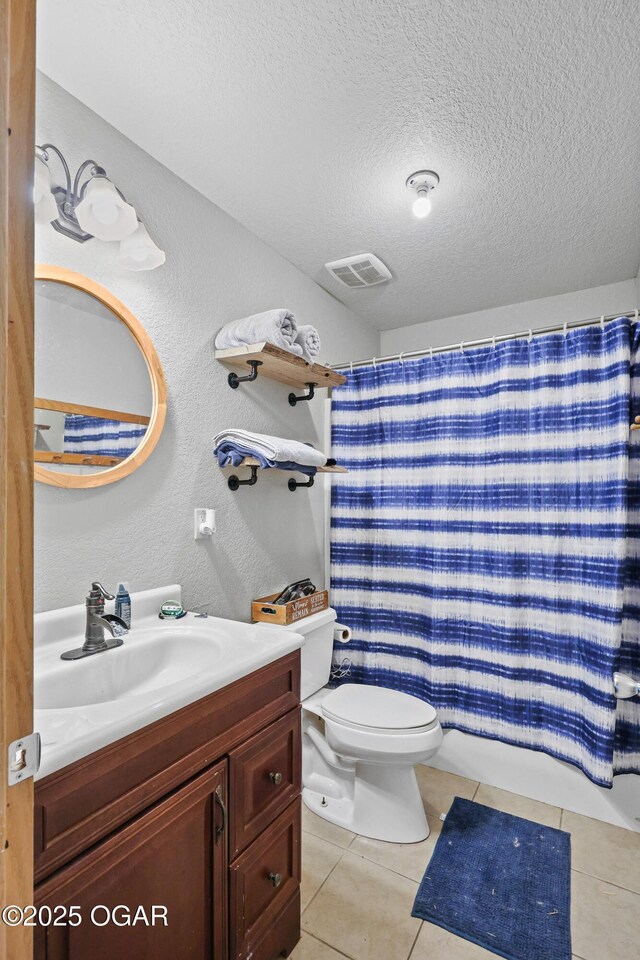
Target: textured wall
(141, 528)
(515, 317)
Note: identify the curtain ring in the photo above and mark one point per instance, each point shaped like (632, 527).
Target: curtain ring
(400, 357)
(430, 353)
(530, 337)
(564, 327)
(462, 346)
(493, 341)
(635, 316)
(602, 321)
(351, 365)
(374, 363)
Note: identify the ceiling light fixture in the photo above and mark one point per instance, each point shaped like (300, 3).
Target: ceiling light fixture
(422, 183)
(90, 206)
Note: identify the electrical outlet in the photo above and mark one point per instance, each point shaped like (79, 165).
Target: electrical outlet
(204, 523)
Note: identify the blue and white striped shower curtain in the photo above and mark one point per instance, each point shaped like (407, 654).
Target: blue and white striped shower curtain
(100, 437)
(485, 542)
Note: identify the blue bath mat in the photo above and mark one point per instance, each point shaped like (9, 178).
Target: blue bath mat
(501, 882)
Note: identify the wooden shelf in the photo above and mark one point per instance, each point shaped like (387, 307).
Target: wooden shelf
(252, 462)
(278, 364)
(88, 459)
(234, 482)
(63, 407)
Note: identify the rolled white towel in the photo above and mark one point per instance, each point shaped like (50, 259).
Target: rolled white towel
(276, 326)
(271, 448)
(309, 339)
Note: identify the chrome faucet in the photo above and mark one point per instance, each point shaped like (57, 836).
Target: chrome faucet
(97, 622)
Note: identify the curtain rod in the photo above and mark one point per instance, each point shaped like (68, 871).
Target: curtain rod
(461, 345)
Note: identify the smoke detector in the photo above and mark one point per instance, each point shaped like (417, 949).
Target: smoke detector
(364, 270)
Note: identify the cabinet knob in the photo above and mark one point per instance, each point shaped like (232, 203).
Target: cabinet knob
(275, 879)
(275, 778)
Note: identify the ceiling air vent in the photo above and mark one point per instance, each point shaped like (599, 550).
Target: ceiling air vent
(364, 270)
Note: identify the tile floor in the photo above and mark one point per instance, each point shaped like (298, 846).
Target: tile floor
(357, 893)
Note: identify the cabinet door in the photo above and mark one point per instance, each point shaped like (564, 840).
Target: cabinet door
(174, 856)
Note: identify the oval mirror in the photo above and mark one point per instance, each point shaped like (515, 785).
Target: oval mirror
(100, 393)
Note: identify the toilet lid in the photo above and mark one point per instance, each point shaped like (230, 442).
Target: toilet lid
(377, 707)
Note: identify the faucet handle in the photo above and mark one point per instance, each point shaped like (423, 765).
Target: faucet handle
(98, 591)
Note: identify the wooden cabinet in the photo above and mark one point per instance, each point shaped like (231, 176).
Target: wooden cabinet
(198, 813)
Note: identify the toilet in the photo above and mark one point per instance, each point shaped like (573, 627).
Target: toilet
(360, 744)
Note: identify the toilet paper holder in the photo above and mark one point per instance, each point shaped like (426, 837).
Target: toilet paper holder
(341, 633)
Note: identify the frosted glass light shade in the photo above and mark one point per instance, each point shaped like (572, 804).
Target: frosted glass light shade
(139, 252)
(103, 213)
(45, 208)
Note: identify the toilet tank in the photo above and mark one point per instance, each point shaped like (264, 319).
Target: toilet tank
(316, 653)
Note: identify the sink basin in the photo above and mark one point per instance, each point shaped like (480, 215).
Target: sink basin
(163, 665)
(147, 665)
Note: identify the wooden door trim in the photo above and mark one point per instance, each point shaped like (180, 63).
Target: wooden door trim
(17, 113)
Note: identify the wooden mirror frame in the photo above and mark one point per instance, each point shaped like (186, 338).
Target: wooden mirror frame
(158, 384)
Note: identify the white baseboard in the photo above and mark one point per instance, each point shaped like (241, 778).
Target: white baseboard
(540, 777)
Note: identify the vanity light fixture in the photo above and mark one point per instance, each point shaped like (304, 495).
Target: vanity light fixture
(139, 252)
(45, 206)
(90, 206)
(422, 183)
(103, 212)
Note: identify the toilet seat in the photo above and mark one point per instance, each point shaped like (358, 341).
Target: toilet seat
(378, 709)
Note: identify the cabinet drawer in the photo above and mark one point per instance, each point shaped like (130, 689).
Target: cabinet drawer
(265, 777)
(265, 880)
(282, 936)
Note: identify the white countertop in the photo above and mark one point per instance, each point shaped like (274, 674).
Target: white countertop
(163, 665)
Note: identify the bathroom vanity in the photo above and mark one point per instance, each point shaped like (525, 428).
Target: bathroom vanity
(197, 812)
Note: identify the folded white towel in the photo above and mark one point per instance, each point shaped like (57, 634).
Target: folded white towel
(309, 339)
(272, 448)
(276, 326)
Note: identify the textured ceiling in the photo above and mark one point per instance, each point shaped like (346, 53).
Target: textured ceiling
(303, 121)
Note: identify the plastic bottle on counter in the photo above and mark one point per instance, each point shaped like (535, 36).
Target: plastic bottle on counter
(123, 604)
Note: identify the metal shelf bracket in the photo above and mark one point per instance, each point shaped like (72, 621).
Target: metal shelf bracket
(293, 399)
(234, 380)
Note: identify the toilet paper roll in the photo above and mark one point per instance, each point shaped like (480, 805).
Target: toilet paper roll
(341, 634)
